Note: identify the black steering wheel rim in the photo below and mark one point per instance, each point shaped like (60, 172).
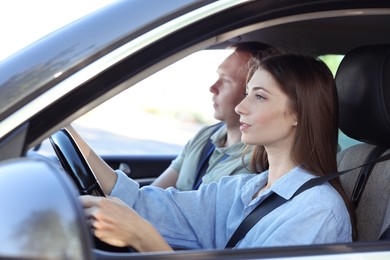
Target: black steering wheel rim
(74, 163)
(76, 166)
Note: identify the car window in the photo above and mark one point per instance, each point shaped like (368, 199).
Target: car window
(158, 115)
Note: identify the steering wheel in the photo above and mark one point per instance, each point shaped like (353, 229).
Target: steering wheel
(74, 163)
(76, 166)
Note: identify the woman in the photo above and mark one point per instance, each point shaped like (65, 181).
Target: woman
(289, 114)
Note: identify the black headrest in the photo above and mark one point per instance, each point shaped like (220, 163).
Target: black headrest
(363, 84)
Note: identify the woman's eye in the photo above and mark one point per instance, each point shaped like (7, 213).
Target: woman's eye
(259, 97)
(245, 94)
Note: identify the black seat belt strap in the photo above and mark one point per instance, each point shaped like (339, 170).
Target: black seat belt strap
(319, 180)
(274, 201)
(364, 174)
(269, 204)
(203, 162)
(386, 234)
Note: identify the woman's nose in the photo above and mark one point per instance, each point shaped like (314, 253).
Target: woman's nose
(240, 108)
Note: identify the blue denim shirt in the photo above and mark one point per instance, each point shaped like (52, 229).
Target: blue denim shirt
(206, 218)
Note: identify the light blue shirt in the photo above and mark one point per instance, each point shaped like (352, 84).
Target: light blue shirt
(206, 218)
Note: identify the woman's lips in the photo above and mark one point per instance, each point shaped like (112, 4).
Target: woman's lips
(244, 126)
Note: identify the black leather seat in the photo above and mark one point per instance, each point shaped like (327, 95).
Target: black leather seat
(363, 83)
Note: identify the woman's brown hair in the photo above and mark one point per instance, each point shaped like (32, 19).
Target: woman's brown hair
(312, 94)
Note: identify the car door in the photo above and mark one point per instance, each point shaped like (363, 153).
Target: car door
(74, 62)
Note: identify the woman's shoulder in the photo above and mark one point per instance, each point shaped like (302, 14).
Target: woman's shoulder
(323, 196)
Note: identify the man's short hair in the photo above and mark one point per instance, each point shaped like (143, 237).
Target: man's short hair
(255, 49)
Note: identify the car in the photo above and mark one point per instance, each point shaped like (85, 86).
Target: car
(64, 76)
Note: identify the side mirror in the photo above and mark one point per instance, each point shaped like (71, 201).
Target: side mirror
(40, 216)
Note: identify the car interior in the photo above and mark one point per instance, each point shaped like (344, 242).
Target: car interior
(364, 97)
(363, 74)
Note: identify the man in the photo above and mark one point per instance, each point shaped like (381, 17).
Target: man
(216, 150)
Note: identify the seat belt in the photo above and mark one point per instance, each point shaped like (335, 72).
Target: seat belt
(203, 162)
(386, 234)
(269, 204)
(274, 201)
(364, 174)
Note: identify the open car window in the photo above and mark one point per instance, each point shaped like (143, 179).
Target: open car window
(154, 117)
(158, 115)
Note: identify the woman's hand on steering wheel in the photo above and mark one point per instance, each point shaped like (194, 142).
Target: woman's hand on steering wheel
(113, 222)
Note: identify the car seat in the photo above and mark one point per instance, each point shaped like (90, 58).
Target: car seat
(363, 84)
